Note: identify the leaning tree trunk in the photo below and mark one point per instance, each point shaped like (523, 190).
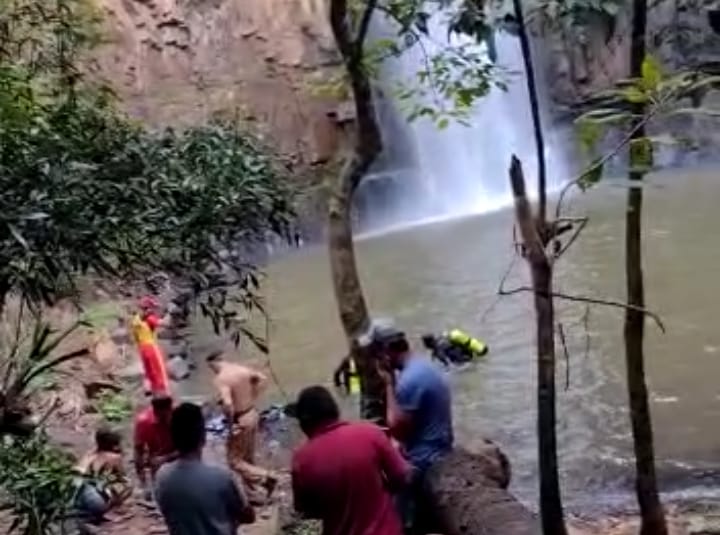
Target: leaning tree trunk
(368, 144)
(651, 510)
(551, 511)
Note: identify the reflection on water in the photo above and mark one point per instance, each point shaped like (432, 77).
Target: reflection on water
(433, 277)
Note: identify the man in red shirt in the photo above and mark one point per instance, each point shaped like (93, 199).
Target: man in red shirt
(346, 472)
(153, 443)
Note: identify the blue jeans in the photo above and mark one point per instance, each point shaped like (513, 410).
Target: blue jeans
(90, 503)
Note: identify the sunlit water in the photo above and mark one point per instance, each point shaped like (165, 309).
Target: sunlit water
(435, 276)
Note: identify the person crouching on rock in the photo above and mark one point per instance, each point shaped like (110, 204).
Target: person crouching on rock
(419, 416)
(144, 324)
(239, 388)
(346, 472)
(103, 484)
(153, 442)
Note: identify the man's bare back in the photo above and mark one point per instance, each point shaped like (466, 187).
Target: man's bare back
(239, 387)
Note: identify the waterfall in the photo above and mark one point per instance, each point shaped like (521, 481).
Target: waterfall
(459, 170)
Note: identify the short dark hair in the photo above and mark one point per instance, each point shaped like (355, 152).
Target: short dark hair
(315, 406)
(161, 402)
(429, 341)
(187, 428)
(107, 439)
(398, 346)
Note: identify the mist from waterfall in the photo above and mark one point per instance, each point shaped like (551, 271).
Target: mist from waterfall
(426, 173)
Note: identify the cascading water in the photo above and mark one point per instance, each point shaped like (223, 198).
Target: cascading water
(427, 173)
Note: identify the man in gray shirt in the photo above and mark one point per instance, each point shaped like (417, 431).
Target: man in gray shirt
(196, 498)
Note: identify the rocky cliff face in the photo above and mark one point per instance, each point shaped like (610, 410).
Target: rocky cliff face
(583, 59)
(176, 62)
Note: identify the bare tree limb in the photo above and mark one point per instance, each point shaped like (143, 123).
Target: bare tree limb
(563, 341)
(499, 296)
(359, 41)
(582, 223)
(594, 300)
(586, 323)
(535, 111)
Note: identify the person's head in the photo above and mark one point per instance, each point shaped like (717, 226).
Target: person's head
(429, 341)
(315, 408)
(214, 360)
(108, 440)
(187, 429)
(147, 304)
(393, 345)
(162, 406)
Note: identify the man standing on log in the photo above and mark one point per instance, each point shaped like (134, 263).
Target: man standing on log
(239, 388)
(419, 413)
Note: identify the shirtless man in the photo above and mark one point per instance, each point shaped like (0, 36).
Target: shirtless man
(102, 483)
(239, 388)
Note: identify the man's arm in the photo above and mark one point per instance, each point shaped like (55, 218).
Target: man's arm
(399, 415)
(396, 469)
(340, 378)
(226, 399)
(140, 453)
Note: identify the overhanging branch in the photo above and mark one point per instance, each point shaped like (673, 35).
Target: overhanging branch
(364, 26)
(593, 300)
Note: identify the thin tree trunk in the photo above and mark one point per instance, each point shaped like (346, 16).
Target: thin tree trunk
(350, 299)
(551, 511)
(651, 510)
(535, 111)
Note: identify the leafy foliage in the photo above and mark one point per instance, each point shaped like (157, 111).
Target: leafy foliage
(659, 93)
(38, 484)
(29, 356)
(85, 189)
(457, 70)
(113, 406)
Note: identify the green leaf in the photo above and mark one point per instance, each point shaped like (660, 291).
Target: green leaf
(591, 175)
(651, 73)
(641, 155)
(635, 94)
(443, 123)
(589, 133)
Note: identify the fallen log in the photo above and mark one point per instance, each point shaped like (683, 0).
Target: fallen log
(467, 492)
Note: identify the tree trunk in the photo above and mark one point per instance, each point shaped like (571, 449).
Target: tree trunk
(551, 511)
(351, 303)
(653, 517)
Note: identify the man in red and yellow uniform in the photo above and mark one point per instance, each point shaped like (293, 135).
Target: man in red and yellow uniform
(144, 324)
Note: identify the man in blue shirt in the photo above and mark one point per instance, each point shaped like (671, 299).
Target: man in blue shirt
(419, 413)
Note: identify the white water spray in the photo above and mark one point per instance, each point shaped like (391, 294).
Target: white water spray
(460, 170)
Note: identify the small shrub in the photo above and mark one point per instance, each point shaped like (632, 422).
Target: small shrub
(113, 406)
(38, 484)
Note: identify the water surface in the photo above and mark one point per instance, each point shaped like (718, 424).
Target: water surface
(446, 274)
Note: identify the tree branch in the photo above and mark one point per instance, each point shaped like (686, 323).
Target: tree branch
(364, 26)
(582, 224)
(593, 300)
(535, 110)
(602, 161)
(561, 333)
